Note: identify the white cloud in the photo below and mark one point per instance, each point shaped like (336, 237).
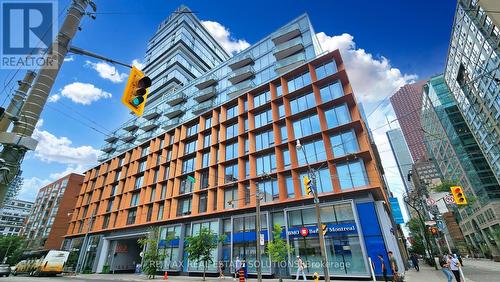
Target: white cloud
(223, 36)
(70, 169)
(69, 59)
(30, 188)
(83, 93)
(54, 98)
(107, 71)
(373, 80)
(138, 64)
(60, 150)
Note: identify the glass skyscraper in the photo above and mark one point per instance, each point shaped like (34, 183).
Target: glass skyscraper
(402, 155)
(459, 158)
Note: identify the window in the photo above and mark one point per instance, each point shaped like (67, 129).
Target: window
(204, 179)
(205, 160)
(134, 201)
(202, 206)
(270, 189)
(281, 110)
(247, 169)
(266, 164)
(315, 151)
(141, 167)
(264, 140)
(245, 123)
(155, 176)
(247, 146)
(231, 198)
(286, 159)
(149, 214)
(261, 99)
(284, 133)
(166, 173)
(302, 103)
(113, 189)
(323, 180)
(231, 173)
(160, 212)
(109, 207)
(263, 118)
(144, 151)
(105, 222)
(186, 186)
(206, 140)
(331, 91)
(290, 190)
(152, 196)
(208, 122)
(344, 143)
(120, 161)
(231, 151)
(131, 216)
(306, 126)
(184, 207)
(231, 131)
(190, 147)
(337, 116)
(326, 69)
(247, 194)
(162, 143)
(188, 165)
(232, 112)
(299, 82)
(163, 191)
(352, 174)
(138, 182)
(169, 156)
(192, 130)
(279, 90)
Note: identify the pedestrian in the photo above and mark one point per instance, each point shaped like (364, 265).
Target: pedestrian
(445, 267)
(383, 267)
(455, 267)
(222, 267)
(300, 268)
(245, 268)
(237, 267)
(414, 260)
(394, 266)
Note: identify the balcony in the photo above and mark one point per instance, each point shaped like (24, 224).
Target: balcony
(130, 127)
(176, 98)
(282, 66)
(203, 107)
(149, 125)
(171, 123)
(288, 48)
(242, 74)
(241, 61)
(128, 138)
(175, 111)
(205, 94)
(145, 136)
(108, 148)
(240, 88)
(152, 114)
(208, 81)
(286, 33)
(112, 138)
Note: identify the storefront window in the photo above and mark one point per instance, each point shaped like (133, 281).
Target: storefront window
(170, 249)
(244, 242)
(214, 227)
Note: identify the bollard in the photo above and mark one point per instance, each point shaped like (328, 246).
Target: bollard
(242, 275)
(165, 276)
(316, 277)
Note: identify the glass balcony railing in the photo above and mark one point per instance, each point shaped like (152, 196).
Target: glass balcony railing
(151, 124)
(175, 111)
(152, 114)
(240, 88)
(108, 148)
(288, 48)
(111, 138)
(205, 94)
(171, 123)
(176, 98)
(241, 74)
(282, 64)
(286, 33)
(202, 107)
(207, 81)
(130, 127)
(241, 61)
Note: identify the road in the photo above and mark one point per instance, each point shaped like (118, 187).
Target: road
(479, 270)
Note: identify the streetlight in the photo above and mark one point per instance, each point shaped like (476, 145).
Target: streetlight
(312, 176)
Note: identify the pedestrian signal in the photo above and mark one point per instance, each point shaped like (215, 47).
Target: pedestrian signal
(458, 195)
(136, 91)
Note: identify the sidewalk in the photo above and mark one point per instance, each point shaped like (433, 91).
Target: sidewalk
(427, 274)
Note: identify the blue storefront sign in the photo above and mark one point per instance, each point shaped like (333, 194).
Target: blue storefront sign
(341, 228)
(396, 210)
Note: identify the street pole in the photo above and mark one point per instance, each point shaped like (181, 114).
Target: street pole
(322, 245)
(257, 228)
(16, 104)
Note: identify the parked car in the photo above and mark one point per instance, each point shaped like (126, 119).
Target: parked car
(4, 270)
(50, 264)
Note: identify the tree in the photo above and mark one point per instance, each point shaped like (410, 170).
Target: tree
(199, 247)
(152, 258)
(11, 248)
(417, 244)
(278, 249)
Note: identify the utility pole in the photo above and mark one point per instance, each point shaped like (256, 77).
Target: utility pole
(258, 197)
(322, 246)
(17, 142)
(16, 104)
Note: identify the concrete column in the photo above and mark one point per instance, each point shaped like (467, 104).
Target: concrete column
(391, 242)
(102, 256)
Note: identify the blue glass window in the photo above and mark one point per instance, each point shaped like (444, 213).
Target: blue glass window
(231, 131)
(188, 165)
(192, 130)
(205, 161)
(302, 103)
(264, 140)
(286, 159)
(266, 163)
(206, 140)
(284, 133)
(323, 180)
(326, 69)
(231, 151)
(270, 189)
(299, 82)
(290, 190)
(190, 147)
(281, 110)
(231, 112)
(352, 174)
(306, 126)
(279, 90)
(263, 118)
(231, 173)
(344, 143)
(315, 151)
(337, 116)
(331, 91)
(261, 99)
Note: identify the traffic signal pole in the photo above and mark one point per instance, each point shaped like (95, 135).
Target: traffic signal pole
(17, 142)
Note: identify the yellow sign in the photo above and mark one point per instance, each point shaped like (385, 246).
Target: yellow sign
(136, 91)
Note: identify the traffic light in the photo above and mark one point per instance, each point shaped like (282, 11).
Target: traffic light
(307, 185)
(136, 91)
(458, 195)
(324, 229)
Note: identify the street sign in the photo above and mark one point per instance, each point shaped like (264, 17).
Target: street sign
(440, 224)
(304, 232)
(449, 199)
(430, 201)
(396, 210)
(262, 239)
(430, 222)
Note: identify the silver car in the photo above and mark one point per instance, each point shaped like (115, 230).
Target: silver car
(4, 270)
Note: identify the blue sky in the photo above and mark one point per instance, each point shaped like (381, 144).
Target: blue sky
(385, 44)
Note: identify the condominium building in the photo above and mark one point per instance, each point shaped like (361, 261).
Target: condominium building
(402, 156)
(472, 72)
(49, 218)
(13, 215)
(459, 159)
(407, 103)
(237, 135)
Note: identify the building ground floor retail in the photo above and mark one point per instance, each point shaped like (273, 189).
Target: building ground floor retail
(357, 229)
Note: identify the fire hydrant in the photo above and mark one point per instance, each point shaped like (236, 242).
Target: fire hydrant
(316, 277)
